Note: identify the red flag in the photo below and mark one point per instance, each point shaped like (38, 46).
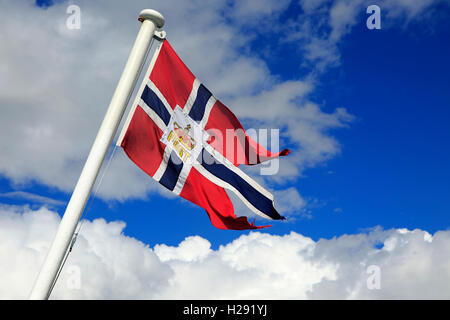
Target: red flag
(165, 136)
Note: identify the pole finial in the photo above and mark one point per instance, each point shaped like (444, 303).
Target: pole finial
(153, 15)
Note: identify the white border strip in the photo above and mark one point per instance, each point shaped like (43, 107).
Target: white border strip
(192, 96)
(211, 102)
(220, 158)
(182, 178)
(208, 175)
(153, 115)
(160, 96)
(163, 165)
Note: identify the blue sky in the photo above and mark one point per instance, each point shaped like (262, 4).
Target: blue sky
(392, 169)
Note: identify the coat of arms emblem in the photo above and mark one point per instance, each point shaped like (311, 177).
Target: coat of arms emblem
(183, 136)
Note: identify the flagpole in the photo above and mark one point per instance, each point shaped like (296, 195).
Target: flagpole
(151, 20)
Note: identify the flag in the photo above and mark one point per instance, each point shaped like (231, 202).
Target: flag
(177, 131)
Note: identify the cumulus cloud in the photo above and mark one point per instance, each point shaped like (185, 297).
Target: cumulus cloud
(106, 264)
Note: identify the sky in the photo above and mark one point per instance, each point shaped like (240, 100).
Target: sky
(365, 189)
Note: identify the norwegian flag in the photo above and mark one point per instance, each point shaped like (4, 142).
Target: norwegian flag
(176, 133)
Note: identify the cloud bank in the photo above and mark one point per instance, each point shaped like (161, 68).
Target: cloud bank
(106, 264)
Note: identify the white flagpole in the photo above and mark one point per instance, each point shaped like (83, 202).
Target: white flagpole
(151, 20)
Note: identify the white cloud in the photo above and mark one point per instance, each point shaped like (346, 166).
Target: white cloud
(413, 264)
(254, 11)
(56, 83)
(301, 121)
(32, 197)
(321, 27)
(410, 9)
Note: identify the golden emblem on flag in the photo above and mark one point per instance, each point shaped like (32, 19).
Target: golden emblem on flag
(183, 136)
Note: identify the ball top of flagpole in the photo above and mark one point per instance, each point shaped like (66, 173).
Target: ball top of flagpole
(153, 15)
